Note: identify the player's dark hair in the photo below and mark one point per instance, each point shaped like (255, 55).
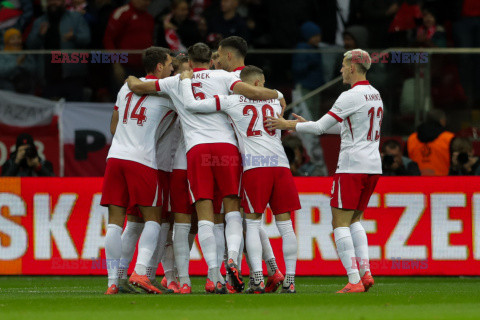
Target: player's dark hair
(178, 61)
(391, 144)
(250, 71)
(200, 53)
(238, 44)
(153, 56)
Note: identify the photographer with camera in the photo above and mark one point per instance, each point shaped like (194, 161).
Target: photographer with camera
(464, 162)
(394, 164)
(25, 162)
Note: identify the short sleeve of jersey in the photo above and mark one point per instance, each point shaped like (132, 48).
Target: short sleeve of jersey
(168, 85)
(231, 80)
(344, 107)
(119, 99)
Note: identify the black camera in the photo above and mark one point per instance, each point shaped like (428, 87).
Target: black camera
(388, 160)
(463, 158)
(31, 152)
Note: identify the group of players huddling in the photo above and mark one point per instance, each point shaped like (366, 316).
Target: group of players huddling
(202, 148)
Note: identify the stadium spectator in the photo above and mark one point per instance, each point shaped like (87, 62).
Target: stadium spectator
(429, 146)
(130, 27)
(464, 161)
(16, 70)
(394, 164)
(300, 165)
(100, 12)
(229, 22)
(25, 161)
(430, 34)
(59, 29)
(376, 16)
(466, 34)
(355, 37)
(16, 14)
(307, 68)
(175, 30)
(79, 6)
(404, 23)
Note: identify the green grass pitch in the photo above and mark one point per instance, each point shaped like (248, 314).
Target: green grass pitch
(71, 298)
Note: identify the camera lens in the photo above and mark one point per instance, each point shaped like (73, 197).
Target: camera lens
(388, 160)
(462, 158)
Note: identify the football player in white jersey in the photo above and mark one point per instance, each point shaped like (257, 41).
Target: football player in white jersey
(231, 57)
(266, 175)
(181, 208)
(132, 177)
(209, 139)
(359, 112)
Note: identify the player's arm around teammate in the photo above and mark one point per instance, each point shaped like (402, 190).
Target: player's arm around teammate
(262, 185)
(256, 93)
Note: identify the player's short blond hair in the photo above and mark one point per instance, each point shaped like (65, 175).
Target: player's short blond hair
(359, 57)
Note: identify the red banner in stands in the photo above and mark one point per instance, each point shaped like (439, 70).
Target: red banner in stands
(415, 226)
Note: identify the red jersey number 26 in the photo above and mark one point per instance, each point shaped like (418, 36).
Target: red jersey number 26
(267, 110)
(375, 115)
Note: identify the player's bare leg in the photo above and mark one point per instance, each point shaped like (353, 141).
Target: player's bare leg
(234, 235)
(113, 245)
(206, 238)
(360, 242)
(130, 237)
(254, 248)
(289, 248)
(146, 248)
(181, 249)
(346, 251)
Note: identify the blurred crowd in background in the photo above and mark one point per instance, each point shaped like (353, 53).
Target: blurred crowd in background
(124, 25)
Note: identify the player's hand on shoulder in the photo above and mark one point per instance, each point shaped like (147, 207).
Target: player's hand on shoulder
(187, 74)
(133, 83)
(276, 122)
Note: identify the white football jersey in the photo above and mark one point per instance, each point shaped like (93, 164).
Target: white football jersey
(202, 128)
(168, 144)
(142, 122)
(237, 71)
(259, 146)
(180, 160)
(360, 111)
